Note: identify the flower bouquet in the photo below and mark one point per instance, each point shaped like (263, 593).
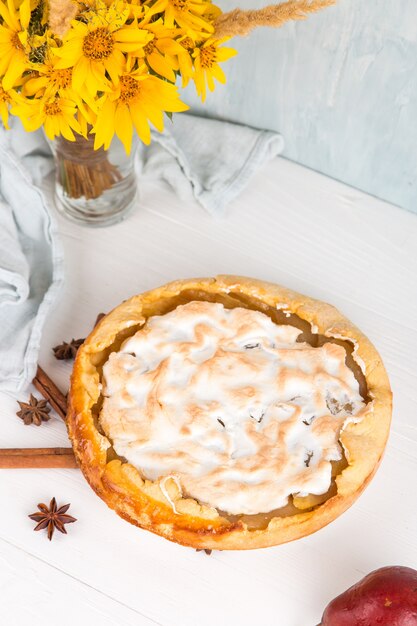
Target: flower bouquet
(98, 73)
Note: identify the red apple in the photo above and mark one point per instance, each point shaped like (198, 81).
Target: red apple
(385, 597)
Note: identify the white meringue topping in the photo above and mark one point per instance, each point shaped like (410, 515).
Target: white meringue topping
(230, 405)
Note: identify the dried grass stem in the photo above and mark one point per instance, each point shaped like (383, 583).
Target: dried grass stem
(238, 22)
(61, 12)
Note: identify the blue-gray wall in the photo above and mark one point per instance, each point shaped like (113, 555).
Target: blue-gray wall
(340, 86)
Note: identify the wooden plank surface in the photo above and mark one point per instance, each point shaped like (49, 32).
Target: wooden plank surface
(291, 226)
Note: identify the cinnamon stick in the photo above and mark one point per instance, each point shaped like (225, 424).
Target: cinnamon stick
(50, 392)
(15, 458)
(11, 458)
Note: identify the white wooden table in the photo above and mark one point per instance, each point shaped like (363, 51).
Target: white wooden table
(291, 226)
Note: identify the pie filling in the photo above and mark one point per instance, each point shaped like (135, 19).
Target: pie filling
(240, 411)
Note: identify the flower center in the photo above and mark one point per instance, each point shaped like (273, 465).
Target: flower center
(15, 41)
(4, 97)
(61, 78)
(52, 108)
(98, 44)
(180, 5)
(207, 56)
(149, 48)
(188, 44)
(129, 88)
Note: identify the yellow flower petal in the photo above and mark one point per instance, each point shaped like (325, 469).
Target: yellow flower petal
(4, 114)
(79, 74)
(14, 71)
(24, 13)
(123, 125)
(223, 54)
(219, 74)
(132, 35)
(160, 66)
(104, 126)
(141, 124)
(66, 131)
(49, 129)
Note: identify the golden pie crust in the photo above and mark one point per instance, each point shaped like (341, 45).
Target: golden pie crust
(142, 502)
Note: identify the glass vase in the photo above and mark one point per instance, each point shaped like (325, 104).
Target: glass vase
(94, 187)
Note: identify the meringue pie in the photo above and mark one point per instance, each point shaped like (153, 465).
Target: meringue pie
(228, 413)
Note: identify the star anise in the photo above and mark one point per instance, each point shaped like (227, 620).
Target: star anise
(52, 517)
(34, 412)
(206, 550)
(66, 350)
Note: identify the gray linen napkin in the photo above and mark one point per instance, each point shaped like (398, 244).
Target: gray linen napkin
(31, 265)
(210, 159)
(213, 160)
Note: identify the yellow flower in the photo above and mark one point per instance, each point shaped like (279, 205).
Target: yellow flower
(47, 78)
(138, 99)
(183, 59)
(48, 82)
(97, 47)
(55, 114)
(7, 97)
(187, 14)
(159, 53)
(206, 68)
(13, 41)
